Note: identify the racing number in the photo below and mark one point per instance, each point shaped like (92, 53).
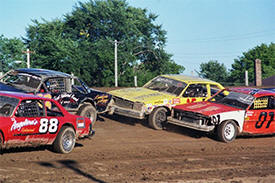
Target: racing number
(44, 125)
(261, 121)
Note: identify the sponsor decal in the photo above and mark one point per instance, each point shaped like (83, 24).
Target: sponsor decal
(176, 101)
(101, 98)
(191, 100)
(261, 103)
(249, 113)
(65, 95)
(165, 101)
(19, 125)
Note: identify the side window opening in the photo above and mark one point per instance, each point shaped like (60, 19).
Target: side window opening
(261, 103)
(52, 109)
(214, 89)
(30, 108)
(56, 85)
(196, 90)
(77, 86)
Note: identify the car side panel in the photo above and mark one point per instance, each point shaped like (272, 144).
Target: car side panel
(260, 121)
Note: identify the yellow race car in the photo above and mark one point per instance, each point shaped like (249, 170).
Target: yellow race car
(156, 98)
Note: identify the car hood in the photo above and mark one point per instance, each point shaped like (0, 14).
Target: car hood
(207, 108)
(4, 87)
(141, 94)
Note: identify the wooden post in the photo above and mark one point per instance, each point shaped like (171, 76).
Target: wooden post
(258, 72)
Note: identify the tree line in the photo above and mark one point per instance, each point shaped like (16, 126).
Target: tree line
(82, 42)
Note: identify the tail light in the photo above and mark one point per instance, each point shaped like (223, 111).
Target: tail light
(80, 122)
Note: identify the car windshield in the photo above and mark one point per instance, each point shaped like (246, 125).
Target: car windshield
(7, 105)
(234, 99)
(22, 81)
(163, 84)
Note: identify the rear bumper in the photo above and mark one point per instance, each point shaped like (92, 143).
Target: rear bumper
(190, 125)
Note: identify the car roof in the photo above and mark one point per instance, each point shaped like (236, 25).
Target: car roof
(188, 79)
(44, 72)
(20, 95)
(256, 92)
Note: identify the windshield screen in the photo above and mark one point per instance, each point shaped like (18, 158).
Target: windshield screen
(167, 85)
(7, 105)
(23, 81)
(234, 99)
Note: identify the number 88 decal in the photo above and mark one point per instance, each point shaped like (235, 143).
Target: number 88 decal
(48, 125)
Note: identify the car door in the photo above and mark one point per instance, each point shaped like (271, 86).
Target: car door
(260, 116)
(53, 120)
(28, 122)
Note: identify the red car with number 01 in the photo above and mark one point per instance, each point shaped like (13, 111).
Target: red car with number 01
(243, 110)
(28, 120)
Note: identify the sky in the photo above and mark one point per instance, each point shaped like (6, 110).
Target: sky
(197, 30)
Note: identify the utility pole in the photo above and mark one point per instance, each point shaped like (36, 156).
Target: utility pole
(246, 78)
(28, 57)
(116, 84)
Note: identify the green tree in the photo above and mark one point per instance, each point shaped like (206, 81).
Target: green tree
(215, 71)
(82, 42)
(10, 51)
(266, 53)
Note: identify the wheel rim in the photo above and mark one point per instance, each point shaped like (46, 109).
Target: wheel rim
(68, 141)
(160, 118)
(229, 131)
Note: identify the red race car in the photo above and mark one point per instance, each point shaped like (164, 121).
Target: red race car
(243, 110)
(28, 120)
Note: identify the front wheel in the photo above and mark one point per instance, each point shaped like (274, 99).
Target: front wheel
(158, 118)
(87, 110)
(1, 142)
(227, 131)
(65, 140)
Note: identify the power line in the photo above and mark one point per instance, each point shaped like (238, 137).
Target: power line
(228, 37)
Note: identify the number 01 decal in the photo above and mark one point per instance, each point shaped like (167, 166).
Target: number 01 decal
(261, 121)
(48, 125)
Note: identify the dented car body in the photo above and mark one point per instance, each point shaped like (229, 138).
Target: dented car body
(68, 90)
(243, 110)
(28, 120)
(156, 98)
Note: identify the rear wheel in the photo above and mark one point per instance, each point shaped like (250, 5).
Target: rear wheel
(157, 118)
(87, 110)
(227, 131)
(65, 140)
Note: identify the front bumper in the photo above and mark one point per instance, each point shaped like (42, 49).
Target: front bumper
(127, 112)
(186, 124)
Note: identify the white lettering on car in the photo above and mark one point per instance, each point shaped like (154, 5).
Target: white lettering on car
(19, 125)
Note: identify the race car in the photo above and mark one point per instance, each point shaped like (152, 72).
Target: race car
(242, 111)
(71, 92)
(156, 98)
(28, 120)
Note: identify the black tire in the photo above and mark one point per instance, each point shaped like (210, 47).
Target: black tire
(87, 110)
(1, 143)
(227, 131)
(158, 118)
(65, 140)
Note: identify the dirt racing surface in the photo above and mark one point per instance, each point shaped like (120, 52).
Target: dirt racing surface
(127, 150)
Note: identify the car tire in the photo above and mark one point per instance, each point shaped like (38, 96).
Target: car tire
(158, 118)
(1, 143)
(227, 131)
(65, 140)
(87, 110)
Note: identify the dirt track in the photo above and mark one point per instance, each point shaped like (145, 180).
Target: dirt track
(126, 150)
